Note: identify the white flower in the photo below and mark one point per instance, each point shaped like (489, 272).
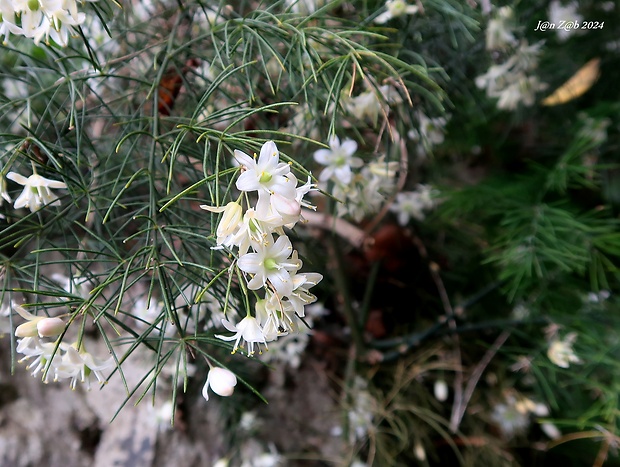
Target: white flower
(288, 349)
(559, 13)
(361, 413)
(271, 263)
(247, 329)
(509, 418)
(46, 356)
(221, 381)
(512, 81)
(396, 8)
(440, 389)
(230, 222)
(81, 366)
(561, 352)
(267, 175)
(338, 160)
(499, 29)
(412, 204)
(36, 192)
(362, 197)
(369, 104)
(522, 91)
(304, 7)
(251, 232)
(300, 297)
(49, 19)
(383, 168)
(431, 130)
(8, 24)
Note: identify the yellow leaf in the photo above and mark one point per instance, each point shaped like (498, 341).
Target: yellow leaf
(578, 84)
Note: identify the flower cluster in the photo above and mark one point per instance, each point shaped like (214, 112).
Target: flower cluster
(513, 415)
(561, 352)
(265, 252)
(430, 133)
(368, 105)
(362, 193)
(513, 81)
(563, 13)
(51, 20)
(56, 361)
(500, 30)
(394, 9)
(410, 204)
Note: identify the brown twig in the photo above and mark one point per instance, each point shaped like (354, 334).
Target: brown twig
(458, 412)
(351, 233)
(449, 313)
(402, 178)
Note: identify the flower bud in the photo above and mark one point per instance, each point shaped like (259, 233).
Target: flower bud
(221, 381)
(441, 390)
(28, 329)
(50, 327)
(286, 207)
(233, 216)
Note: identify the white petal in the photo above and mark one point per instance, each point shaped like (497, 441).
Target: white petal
(24, 199)
(334, 142)
(282, 248)
(281, 281)
(230, 326)
(349, 147)
(52, 183)
(244, 159)
(256, 282)
(222, 381)
(206, 207)
(267, 153)
(343, 174)
(17, 178)
(205, 388)
(250, 262)
(322, 156)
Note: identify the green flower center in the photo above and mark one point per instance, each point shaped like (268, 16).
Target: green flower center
(270, 264)
(265, 177)
(253, 226)
(33, 5)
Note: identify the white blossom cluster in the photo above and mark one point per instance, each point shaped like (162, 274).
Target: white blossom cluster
(368, 105)
(429, 133)
(513, 415)
(361, 414)
(48, 20)
(362, 192)
(410, 204)
(512, 81)
(53, 360)
(395, 9)
(265, 253)
(563, 13)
